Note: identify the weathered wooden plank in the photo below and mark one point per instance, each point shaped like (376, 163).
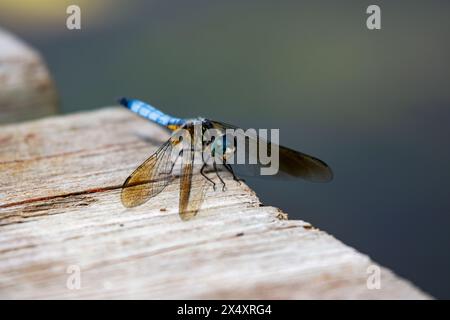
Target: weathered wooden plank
(60, 182)
(27, 90)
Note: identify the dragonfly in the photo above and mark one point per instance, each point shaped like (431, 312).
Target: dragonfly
(183, 148)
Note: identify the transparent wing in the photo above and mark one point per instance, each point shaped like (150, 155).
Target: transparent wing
(291, 163)
(192, 187)
(150, 178)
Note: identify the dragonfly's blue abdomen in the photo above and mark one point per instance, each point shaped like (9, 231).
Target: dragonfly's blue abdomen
(149, 112)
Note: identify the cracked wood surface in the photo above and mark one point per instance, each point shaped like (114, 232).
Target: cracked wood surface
(26, 88)
(60, 181)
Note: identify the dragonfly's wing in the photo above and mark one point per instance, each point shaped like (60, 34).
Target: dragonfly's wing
(291, 163)
(150, 178)
(301, 165)
(192, 187)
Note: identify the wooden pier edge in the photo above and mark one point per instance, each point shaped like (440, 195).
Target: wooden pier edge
(27, 90)
(61, 220)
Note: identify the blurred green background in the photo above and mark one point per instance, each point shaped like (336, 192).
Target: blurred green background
(373, 104)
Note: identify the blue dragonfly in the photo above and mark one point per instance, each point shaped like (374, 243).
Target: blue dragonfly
(152, 176)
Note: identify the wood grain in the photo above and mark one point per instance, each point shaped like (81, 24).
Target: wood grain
(26, 88)
(60, 206)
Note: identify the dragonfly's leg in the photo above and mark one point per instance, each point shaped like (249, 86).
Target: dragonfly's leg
(230, 169)
(206, 177)
(203, 173)
(218, 175)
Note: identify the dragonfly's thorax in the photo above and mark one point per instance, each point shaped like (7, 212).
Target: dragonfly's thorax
(200, 124)
(220, 144)
(223, 147)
